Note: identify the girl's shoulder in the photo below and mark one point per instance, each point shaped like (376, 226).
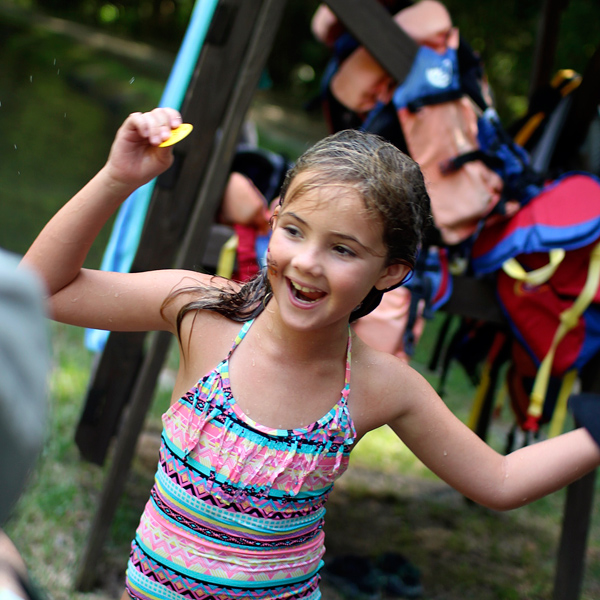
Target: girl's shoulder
(383, 386)
(206, 338)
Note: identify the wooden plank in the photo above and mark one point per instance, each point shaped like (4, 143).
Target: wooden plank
(112, 490)
(370, 23)
(196, 238)
(171, 206)
(249, 67)
(584, 108)
(112, 375)
(546, 43)
(570, 564)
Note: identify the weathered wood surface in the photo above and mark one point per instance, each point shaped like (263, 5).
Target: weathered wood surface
(370, 23)
(200, 181)
(215, 84)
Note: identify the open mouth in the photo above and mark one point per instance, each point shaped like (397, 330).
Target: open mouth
(306, 294)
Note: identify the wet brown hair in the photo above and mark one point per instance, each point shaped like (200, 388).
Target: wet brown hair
(392, 188)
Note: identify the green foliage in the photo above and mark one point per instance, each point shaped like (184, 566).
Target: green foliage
(503, 32)
(61, 105)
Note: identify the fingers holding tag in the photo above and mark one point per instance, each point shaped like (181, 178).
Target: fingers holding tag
(177, 135)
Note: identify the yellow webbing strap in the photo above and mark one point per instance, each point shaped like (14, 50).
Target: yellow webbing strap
(557, 424)
(568, 320)
(573, 80)
(528, 128)
(226, 262)
(513, 269)
(482, 388)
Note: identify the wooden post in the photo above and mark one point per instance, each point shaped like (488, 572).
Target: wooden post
(546, 43)
(253, 28)
(370, 24)
(175, 195)
(570, 564)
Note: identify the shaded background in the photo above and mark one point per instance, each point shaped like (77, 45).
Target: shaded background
(64, 90)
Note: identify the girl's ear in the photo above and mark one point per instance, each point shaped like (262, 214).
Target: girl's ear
(274, 216)
(392, 275)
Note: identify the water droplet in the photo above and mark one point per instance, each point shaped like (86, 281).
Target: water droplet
(65, 115)
(58, 71)
(18, 172)
(15, 146)
(131, 80)
(31, 79)
(445, 452)
(55, 61)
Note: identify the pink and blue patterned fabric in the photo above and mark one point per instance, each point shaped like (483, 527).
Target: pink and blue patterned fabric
(237, 509)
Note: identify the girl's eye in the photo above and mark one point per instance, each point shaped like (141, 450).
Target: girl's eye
(344, 251)
(291, 230)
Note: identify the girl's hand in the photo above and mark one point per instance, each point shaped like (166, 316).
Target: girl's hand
(135, 157)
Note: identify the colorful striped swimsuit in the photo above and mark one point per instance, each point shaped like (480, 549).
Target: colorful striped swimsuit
(236, 510)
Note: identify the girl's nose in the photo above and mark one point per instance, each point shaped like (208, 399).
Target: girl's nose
(308, 260)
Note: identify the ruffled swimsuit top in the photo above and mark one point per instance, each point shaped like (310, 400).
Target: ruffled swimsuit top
(237, 508)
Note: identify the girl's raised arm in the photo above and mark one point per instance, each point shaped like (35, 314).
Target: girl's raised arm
(452, 451)
(113, 301)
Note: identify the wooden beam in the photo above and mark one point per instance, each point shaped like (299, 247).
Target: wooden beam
(371, 24)
(570, 564)
(546, 43)
(215, 77)
(254, 30)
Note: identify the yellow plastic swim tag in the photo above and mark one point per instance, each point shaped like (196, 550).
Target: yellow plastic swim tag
(177, 135)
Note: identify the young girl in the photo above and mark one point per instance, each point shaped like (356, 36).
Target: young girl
(274, 389)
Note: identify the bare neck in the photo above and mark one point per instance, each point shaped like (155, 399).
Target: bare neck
(327, 343)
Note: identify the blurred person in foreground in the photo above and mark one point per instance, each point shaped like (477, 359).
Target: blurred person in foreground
(24, 359)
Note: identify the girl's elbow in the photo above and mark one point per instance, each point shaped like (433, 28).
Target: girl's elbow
(505, 505)
(502, 499)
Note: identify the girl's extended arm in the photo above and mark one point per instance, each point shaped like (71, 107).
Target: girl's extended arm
(462, 459)
(93, 298)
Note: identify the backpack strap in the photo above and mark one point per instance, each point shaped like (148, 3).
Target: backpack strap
(454, 164)
(227, 255)
(563, 83)
(568, 320)
(557, 423)
(538, 276)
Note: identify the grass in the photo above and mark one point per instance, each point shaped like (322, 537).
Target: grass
(60, 107)
(386, 501)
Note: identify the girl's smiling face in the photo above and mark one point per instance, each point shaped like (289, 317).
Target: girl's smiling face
(325, 254)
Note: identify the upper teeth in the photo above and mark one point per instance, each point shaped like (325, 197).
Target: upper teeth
(301, 288)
